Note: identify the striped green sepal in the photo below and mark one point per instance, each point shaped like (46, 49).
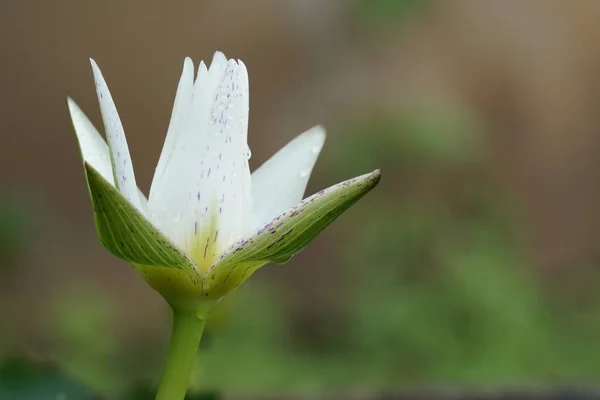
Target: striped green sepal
(288, 233)
(126, 232)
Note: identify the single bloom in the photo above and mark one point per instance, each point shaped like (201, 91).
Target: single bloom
(208, 223)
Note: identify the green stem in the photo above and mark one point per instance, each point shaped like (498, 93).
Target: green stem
(183, 347)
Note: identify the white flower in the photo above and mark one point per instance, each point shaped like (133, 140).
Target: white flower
(208, 223)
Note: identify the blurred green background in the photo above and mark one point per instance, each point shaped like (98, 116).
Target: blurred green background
(473, 264)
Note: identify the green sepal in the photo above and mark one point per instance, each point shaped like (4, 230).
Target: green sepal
(126, 232)
(287, 234)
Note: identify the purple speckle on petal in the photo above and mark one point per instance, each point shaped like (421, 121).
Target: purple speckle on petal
(206, 247)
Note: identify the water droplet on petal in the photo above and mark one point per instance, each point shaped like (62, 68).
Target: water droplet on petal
(316, 149)
(248, 153)
(177, 217)
(304, 174)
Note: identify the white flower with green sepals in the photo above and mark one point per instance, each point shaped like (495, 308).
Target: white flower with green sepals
(208, 223)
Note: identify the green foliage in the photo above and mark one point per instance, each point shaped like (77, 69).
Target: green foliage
(470, 314)
(85, 338)
(378, 15)
(23, 380)
(422, 138)
(16, 223)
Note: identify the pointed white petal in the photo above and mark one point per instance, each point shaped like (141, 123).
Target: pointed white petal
(94, 149)
(183, 100)
(206, 200)
(124, 177)
(281, 181)
(287, 234)
(217, 66)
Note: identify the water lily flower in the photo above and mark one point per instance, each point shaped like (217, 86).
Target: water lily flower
(208, 223)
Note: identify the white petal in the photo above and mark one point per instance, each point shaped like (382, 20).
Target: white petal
(206, 200)
(122, 167)
(217, 67)
(281, 181)
(94, 149)
(183, 99)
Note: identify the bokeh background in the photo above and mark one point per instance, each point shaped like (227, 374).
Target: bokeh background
(474, 263)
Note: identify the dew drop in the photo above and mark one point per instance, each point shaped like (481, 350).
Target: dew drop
(316, 150)
(304, 174)
(248, 153)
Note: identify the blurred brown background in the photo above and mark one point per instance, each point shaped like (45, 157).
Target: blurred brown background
(473, 262)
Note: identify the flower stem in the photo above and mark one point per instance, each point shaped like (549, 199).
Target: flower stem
(188, 325)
